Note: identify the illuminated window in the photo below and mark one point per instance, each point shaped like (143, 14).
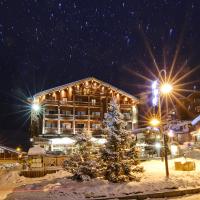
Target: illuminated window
(93, 101)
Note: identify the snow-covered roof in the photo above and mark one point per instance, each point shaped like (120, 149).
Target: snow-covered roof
(36, 150)
(82, 80)
(10, 149)
(196, 120)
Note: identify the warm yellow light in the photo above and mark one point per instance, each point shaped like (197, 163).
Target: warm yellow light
(154, 122)
(166, 88)
(18, 149)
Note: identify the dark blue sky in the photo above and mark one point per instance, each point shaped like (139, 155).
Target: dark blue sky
(45, 43)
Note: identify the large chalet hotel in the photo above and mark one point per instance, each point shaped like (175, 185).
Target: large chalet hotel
(60, 113)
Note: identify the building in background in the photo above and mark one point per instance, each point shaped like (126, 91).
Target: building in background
(76, 107)
(190, 106)
(179, 130)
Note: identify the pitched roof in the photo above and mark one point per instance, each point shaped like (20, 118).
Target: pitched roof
(86, 79)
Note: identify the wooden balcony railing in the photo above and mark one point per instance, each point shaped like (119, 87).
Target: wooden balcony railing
(81, 116)
(125, 105)
(50, 130)
(66, 116)
(66, 131)
(95, 117)
(51, 116)
(51, 101)
(66, 102)
(81, 103)
(94, 104)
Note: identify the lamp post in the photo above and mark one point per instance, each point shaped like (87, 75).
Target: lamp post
(164, 89)
(35, 113)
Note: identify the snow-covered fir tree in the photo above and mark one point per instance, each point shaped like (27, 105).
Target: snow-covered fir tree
(87, 166)
(120, 156)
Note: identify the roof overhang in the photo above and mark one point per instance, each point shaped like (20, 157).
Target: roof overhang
(58, 88)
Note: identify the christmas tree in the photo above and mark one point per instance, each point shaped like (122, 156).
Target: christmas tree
(120, 156)
(87, 162)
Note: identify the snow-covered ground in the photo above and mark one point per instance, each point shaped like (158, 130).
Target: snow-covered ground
(11, 180)
(60, 187)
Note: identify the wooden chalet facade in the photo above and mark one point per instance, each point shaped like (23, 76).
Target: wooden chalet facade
(68, 109)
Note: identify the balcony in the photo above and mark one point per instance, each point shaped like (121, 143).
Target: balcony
(96, 104)
(66, 131)
(81, 117)
(66, 103)
(51, 116)
(125, 105)
(96, 132)
(95, 117)
(66, 117)
(50, 102)
(50, 130)
(81, 103)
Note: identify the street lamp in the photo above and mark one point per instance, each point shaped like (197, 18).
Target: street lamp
(164, 88)
(35, 107)
(154, 122)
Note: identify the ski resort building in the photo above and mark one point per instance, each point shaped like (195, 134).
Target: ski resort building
(58, 114)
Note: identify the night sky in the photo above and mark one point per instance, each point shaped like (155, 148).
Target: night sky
(45, 43)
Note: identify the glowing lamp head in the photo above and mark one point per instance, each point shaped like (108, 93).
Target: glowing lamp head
(36, 107)
(154, 122)
(166, 88)
(157, 145)
(18, 149)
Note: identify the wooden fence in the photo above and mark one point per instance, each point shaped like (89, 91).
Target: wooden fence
(36, 173)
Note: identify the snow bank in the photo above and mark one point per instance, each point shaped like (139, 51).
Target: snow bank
(12, 180)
